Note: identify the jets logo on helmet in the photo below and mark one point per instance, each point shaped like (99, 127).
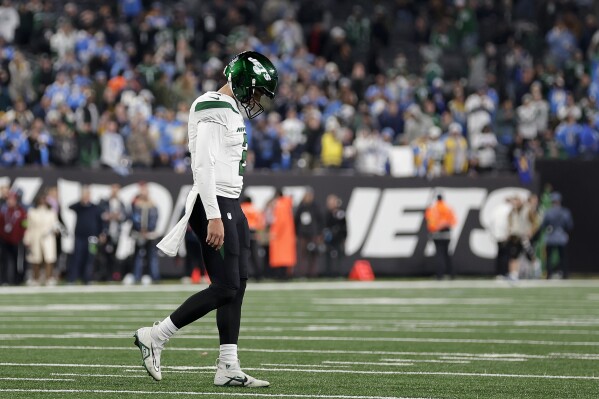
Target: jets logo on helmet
(251, 74)
(259, 69)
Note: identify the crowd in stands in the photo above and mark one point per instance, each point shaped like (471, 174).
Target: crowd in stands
(474, 86)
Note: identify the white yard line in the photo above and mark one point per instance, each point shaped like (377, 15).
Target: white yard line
(11, 337)
(184, 393)
(211, 369)
(411, 301)
(542, 376)
(34, 379)
(98, 375)
(112, 327)
(300, 365)
(309, 286)
(394, 362)
(350, 321)
(490, 356)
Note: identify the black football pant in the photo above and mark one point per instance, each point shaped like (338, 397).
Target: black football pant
(227, 269)
(562, 263)
(443, 259)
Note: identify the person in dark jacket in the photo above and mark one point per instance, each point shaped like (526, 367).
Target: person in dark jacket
(144, 215)
(557, 222)
(335, 233)
(88, 228)
(12, 230)
(308, 227)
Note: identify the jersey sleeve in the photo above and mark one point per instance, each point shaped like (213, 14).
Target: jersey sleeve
(208, 144)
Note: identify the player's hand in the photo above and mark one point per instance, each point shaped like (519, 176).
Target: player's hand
(216, 233)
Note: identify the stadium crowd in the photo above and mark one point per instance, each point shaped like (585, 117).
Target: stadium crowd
(472, 86)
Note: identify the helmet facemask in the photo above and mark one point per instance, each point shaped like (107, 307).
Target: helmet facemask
(252, 107)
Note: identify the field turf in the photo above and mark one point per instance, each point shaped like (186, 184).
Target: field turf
(388, 339)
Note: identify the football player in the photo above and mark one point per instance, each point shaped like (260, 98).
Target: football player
(218, 146)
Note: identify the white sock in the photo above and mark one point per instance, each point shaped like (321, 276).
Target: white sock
(514, 275)
(228, 354)
(164, 330)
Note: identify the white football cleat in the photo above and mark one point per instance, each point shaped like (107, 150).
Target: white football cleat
(150, 351)
(230, 375)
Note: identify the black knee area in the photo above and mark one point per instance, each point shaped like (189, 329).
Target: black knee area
(223, 294)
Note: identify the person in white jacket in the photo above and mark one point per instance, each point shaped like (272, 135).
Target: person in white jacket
(218, 147)
(40, 240)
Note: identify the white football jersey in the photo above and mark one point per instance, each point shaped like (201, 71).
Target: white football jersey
(218, 146)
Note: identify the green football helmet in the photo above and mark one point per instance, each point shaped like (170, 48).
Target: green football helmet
(250, 71)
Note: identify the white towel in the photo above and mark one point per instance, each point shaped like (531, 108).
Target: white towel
(171, 242)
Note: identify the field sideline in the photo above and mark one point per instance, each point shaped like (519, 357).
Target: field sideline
(387, 339)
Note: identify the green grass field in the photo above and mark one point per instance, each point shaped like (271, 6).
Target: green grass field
(409, 339)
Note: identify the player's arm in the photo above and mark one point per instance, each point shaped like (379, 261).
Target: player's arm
(207, 146)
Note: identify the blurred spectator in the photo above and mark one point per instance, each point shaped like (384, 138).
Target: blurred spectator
(429, 153)
(10, 20)
(53, 203)
(457, 105)
(391, 118)
(456, 151)
(21, 79)
(527, 118)
(287, 33)
(561, 42)
(13, 224)
(499, 229)
(557, 96)
(417, 124)
(64, 150)
(88, 228)
(292, 138)
(144, 216)
(466, 25)
(519, 231)
(40, 142)
(440, 219)
(541, 107)
(114, 215)
(282, 257)
(313, 137)
(140, 146)
(334, 235)
(265, 146)
(569, 108)
(479, 108)
(64, 40)
(14, 145)
(256, 223)
(308, 227)
(557, 222)
(331, 155)
(20, 114)
(483, 150)
(40, 241)
(372, 152)
(113, 149)
(567, 135)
